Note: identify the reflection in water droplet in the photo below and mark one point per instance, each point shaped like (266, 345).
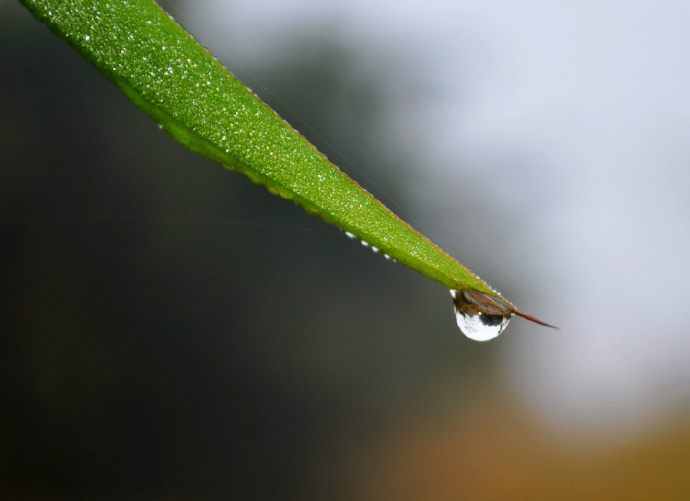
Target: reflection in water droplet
(481, 327)
(477, 324)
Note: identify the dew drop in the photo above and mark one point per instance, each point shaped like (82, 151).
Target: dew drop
(481, 327)
(479, 316)
(349, 235)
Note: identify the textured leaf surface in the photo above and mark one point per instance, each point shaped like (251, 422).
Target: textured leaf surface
(167, 74)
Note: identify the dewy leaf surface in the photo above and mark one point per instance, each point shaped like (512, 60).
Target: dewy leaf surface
(167, 74)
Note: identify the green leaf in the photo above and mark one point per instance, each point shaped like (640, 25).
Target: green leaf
(168, 75)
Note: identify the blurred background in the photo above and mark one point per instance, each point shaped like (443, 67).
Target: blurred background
(172, 331)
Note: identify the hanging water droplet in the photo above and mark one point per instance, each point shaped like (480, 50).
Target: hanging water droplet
(481, 327)
(480, 317)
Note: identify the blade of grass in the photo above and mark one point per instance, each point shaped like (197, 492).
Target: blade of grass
(168, 75)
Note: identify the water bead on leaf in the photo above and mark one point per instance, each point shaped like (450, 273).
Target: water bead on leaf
(479, 316)
(481, 327)
(482, 317)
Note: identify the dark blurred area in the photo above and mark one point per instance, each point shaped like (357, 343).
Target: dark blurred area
(172, 331)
